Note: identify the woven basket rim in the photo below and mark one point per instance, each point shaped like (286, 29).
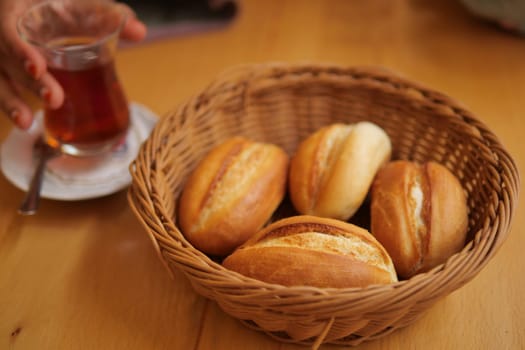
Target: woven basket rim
(142, 171)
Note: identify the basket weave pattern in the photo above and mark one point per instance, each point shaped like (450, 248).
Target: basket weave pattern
(283, 104)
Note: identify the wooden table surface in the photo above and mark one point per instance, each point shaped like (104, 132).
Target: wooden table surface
(84, 275)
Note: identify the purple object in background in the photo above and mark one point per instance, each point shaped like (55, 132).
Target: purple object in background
(173, 18)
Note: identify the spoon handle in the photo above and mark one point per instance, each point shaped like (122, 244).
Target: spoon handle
(31, 201)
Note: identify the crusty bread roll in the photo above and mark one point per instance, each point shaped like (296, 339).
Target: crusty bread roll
(419, 214)
(332, 170)
(313, 251)
(231, 194)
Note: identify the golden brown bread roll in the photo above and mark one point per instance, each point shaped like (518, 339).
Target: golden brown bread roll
(332, 170)
(419, 214)
(231, 194)
(312, 251)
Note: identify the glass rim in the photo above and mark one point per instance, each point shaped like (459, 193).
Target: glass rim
(120, 9)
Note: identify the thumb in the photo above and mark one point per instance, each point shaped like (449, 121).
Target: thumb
(133, 30)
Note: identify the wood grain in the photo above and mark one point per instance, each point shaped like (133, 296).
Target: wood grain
(84, 274)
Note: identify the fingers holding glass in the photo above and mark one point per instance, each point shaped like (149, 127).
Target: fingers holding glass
(17, 77)
(22, 69)
(12, 104)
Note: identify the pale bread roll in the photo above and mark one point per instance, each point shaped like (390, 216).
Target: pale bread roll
(312, 251)
(332, 170)
(231, 194)
(419, 213)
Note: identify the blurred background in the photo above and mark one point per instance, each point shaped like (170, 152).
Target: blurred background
(172, 17)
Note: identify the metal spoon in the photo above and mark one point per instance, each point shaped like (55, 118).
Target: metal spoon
(44, 152)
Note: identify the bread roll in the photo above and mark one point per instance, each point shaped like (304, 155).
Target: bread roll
(332, 170)
(313, 251)
(419, 214)
(231, 194)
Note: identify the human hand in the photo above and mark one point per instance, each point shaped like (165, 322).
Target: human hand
(23, 68)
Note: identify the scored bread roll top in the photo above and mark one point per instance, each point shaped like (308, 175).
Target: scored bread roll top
(231, 194)
(313, 251)
(419, 214)
(332, 170)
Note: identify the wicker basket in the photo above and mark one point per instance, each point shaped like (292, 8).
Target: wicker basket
(283, 104)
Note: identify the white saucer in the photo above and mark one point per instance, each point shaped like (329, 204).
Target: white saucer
(70, 178)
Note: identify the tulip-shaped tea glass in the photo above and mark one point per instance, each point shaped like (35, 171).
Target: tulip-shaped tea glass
(79, 38)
